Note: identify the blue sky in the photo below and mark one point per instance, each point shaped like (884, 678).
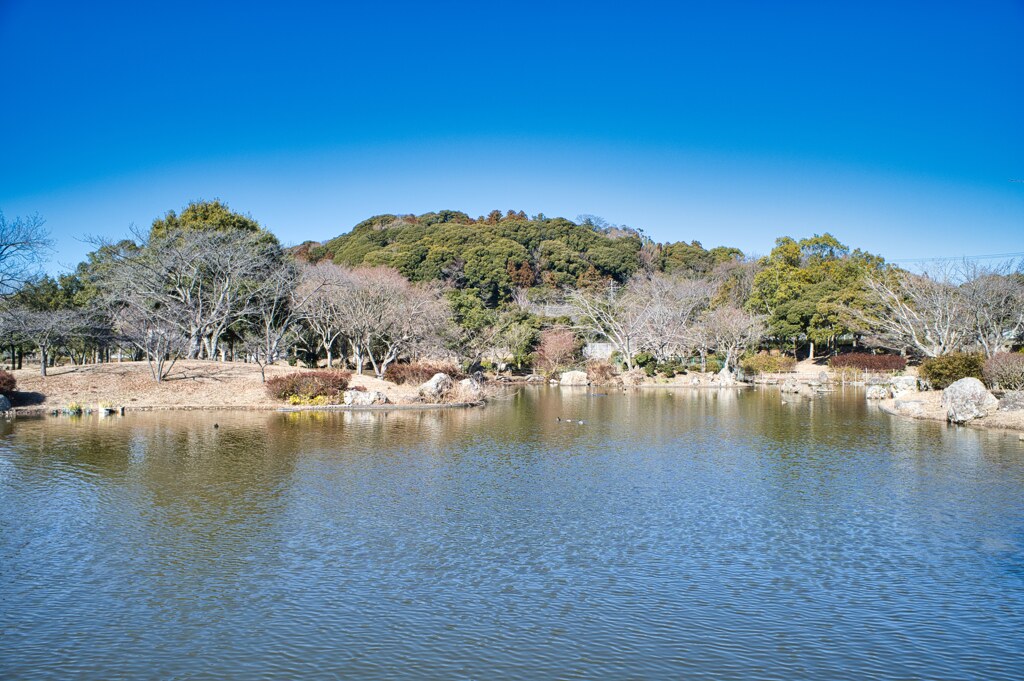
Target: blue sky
(896, 126)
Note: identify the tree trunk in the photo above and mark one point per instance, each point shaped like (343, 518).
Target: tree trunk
(42, 364)
(811, 355)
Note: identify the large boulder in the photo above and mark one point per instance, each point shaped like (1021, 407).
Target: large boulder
(364, 398)
(967, 399)
(437, 388)
(574, 378)
(790, 386)
(471, 389)
(877, 392)
(5, 404)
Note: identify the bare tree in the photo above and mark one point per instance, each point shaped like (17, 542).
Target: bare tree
(153, 329)
(675, 305)
(925, 313)
(378, 312)
(47, 329)
(24, 243)
(557, 347)
(201, 281)
(325, 288)
(993, 296)
(278, 310)
(731, 331)
(620, 316)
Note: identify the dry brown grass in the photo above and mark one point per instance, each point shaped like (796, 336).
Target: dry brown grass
(192, 384)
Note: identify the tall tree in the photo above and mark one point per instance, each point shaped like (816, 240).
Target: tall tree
(619, 314)
(24, 243)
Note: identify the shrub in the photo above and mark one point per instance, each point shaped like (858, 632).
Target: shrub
(306, 386)
(600, 371)
(764, 363)
(420, 372)
(557, 348)
(7, 383)
(941, 371)
(1005, 370)
(868, 362)
(712, 365)
(670, 368)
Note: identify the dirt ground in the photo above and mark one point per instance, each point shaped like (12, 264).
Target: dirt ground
(190, 385)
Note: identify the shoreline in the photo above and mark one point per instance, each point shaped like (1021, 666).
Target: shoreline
(39, 411)
(927, 406)
(193, 385)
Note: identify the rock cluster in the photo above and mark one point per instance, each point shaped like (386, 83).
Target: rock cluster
(883, 388)
(364, 398)
(5, 404)
(877, 392)
(790, 386)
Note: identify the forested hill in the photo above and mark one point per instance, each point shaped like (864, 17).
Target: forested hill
(499, 252)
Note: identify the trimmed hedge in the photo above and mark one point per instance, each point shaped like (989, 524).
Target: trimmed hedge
(867, 362)
(1005, 370)
(7, 383)
(310, 385)
(764, 363)
(947, 369)
(420, 372)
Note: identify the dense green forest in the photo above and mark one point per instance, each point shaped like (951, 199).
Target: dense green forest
(496, 254)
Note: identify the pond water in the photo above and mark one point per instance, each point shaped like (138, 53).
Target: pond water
(675, 534)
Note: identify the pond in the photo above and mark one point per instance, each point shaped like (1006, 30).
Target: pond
(683, 533)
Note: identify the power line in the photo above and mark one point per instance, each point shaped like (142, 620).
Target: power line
(949, 258)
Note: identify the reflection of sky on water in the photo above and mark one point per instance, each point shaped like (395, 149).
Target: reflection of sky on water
(670, 530)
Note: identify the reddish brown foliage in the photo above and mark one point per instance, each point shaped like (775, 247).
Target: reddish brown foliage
(7, 383)
(557, 347)
(866, 362)
(1005, 370)
(309, 384)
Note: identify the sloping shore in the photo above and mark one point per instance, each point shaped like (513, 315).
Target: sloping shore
(191, 385)
(927, 406)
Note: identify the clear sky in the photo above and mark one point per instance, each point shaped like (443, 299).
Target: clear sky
(897, 126)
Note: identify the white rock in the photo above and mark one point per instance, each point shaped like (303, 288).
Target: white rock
(877, 392)
(574, 378)
(472, 389)
(437, 387)
(364, 398)
(901, 385)
(790, 386)
(967, 399)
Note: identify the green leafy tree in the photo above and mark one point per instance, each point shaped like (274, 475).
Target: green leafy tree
(807, 288)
